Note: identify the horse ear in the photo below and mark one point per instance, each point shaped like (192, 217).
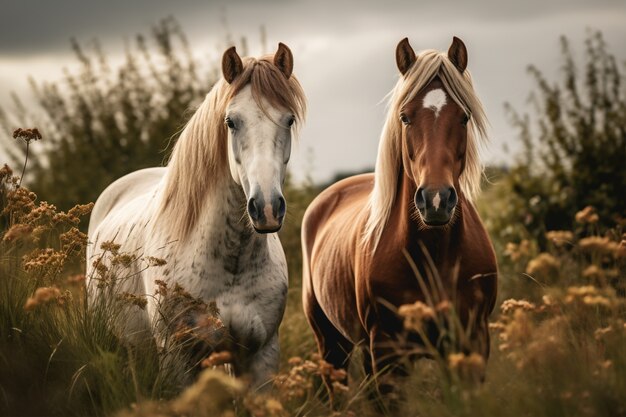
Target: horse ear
(231, 64)
(405, 56)
(283, 59)
(458, 54)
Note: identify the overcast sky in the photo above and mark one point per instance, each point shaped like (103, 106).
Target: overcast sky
(343, 52)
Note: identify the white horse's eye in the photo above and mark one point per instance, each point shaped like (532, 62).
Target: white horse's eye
(291, 121)
(229, 123)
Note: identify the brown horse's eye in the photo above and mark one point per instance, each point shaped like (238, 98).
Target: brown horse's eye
(466, 119)
(404, 119)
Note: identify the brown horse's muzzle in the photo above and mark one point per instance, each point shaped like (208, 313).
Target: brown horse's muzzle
(436, 204)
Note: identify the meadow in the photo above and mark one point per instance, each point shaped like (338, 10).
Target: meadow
(558, 345)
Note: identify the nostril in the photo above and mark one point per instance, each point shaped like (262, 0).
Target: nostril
(420, 199)
(282, 207)
(252, 209)
(452, 198)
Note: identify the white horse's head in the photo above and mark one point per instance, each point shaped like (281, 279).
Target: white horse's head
(261, 119)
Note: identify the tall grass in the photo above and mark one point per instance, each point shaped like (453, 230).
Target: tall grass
(557, 343)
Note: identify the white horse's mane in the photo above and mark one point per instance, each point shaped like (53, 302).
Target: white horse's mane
(428, 65)
(199, 160)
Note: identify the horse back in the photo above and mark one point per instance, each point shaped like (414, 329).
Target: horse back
(121, 191)
(331, 232)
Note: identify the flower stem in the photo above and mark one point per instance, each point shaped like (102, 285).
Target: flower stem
(25, 162)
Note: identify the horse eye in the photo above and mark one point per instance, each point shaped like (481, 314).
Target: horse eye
(466, 119)
(404, 119)
(229, 123)
(291, 121)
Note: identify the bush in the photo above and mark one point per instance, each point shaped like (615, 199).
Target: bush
(574, 147)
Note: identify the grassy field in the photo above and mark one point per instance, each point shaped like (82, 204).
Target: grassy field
(558, 333)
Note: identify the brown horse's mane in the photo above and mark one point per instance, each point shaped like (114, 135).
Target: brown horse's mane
(428, 65)
(199, 160)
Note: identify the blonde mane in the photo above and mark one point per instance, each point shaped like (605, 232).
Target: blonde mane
(428, 65)
(199, 160)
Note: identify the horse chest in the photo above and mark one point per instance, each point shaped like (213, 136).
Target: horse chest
(246, 281)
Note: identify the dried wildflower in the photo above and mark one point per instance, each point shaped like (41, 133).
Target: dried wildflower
(42, 295)
(73, 240)
(123, 259)
(600, 333)
(415, 315)
(217, 359)
(544, 265)
(152, 261)
(41, 258)
(110, 246)
(560, 237)
(5, 173)
(593, 272)
(27, 135)
(263, 406)
(517, 251)
(18, 232)
(162, 287)
(133, 299)
(76, 280)
(511, 305)
(469, 367)
(587, 215)
(598, 244)
(80, 210)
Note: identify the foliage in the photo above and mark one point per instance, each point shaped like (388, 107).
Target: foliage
(102, 123)
(574, 145)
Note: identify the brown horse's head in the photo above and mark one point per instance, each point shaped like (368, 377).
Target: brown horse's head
(434, 139)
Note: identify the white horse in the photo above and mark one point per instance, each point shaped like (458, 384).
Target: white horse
(230, 158)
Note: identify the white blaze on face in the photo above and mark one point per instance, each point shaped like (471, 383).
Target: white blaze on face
(436, 201)
(435, 100)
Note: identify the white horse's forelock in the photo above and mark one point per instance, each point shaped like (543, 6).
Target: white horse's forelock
(428, 65)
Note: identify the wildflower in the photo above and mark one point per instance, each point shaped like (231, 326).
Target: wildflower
(17, 232)
(511, 305)
(560, 237)
(42, 295)
(600, 333)
(73, 240)
(544, 265)
(76, 280)
(110, 246)
(594, 273)
(152, 261)
(133, 299)
(597, 244)
(5, 173)
(123, 259)
(217, 359)
(44, 258)
(517, 251)
(161, 287)
(27, 135)
(415, 315)
(587, 215)
(469, 367)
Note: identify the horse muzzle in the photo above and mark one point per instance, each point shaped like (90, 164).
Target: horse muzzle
(436, 204)
(267, 216)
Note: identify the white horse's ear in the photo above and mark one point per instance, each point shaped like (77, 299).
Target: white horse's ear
(405, 56)
(231, 64)
(283, 59)
(458, 54)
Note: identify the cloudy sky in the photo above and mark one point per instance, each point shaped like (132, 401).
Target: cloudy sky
(343, 50)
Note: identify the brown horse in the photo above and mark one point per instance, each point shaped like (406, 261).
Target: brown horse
(366, 237)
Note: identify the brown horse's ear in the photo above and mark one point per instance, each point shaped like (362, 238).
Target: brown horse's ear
(283, 59)
(405, 56)
(458, 54)
(231, 64)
